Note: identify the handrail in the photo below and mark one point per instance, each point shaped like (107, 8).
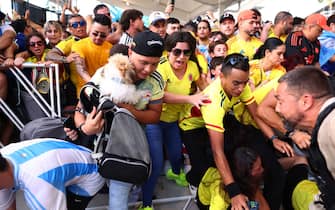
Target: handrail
(11, 115)
(31, 90)
(28, 86)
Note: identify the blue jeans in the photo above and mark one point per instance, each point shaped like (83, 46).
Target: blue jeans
(118, 194)
(159, 134)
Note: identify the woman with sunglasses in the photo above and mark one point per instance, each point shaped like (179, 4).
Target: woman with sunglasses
(180, 71)
(53, 33)
(266, 65)
(36, 46)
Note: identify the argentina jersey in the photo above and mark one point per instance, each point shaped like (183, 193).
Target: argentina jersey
(44, 169)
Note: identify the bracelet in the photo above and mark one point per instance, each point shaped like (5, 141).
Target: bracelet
(80, 130)
(232, 189)
(273, 137)
(64, 59)
(289, 133)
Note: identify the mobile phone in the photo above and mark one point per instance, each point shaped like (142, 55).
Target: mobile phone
(69, 123)
(253, 205)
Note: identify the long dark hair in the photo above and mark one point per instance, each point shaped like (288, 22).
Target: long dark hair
(37, 34)
(243, 161)
(3, 163)
(269, 44)
(182, 36)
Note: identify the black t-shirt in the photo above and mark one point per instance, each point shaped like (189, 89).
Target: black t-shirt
(300, 50)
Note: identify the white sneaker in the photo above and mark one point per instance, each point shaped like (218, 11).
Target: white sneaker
(193, 190)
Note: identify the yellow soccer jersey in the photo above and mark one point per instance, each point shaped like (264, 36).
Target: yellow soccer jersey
(65, 46)
(258, 76)
(202, 62)
(246, 48)
(282, 37)
(211, 192)
(212, 114)
(240, 111)
(94, 55)
(171, 112)
(33, 59)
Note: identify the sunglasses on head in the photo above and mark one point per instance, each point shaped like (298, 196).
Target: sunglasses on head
(38, 43)
(78, 24)
(177, 52)
(100, 34)
(234, 60)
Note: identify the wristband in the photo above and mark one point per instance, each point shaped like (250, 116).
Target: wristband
(64, 59)
(273, 137)
(289, 133)
(232, 189)
(80, 128)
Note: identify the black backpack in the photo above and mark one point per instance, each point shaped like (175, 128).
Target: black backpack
(121, 149)
(325, 180)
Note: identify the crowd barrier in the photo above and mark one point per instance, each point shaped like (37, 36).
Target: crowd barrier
(50, 109)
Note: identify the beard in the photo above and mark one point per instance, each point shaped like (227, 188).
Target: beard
(294, 122)
(251, 32)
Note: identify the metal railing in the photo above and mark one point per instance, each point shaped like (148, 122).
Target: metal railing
(49, 109)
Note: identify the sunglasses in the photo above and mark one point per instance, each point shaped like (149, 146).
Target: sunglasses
(100, 34)
(177, 52)
(38, 43)
(234, 60)
(78, 24)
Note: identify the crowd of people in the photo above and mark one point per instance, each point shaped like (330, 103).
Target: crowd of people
(249, 101)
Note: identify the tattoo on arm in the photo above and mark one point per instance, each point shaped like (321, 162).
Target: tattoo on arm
(81, 69)
(55, 55)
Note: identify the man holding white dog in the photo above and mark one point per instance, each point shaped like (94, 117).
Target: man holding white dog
(144, 55)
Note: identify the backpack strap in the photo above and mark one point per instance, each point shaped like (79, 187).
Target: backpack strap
(325, 180)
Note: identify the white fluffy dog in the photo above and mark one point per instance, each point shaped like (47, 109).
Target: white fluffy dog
(117, 80)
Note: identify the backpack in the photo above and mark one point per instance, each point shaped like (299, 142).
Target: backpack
(42, 128)
(325, 180)
(121, 149)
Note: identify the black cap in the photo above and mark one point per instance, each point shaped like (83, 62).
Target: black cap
(227, 16)
(2, 15)
(148, 43)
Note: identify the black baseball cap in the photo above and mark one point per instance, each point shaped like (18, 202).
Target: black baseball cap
(2, 15)
(148, 43)
(227, 16)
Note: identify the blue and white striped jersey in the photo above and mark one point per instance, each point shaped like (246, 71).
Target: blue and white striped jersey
(45, 168)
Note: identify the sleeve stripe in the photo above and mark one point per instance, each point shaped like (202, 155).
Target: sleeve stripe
(250, 100)
(158, 77)
(215, 127)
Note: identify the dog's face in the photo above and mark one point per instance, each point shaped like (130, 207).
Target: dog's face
(120, 67)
